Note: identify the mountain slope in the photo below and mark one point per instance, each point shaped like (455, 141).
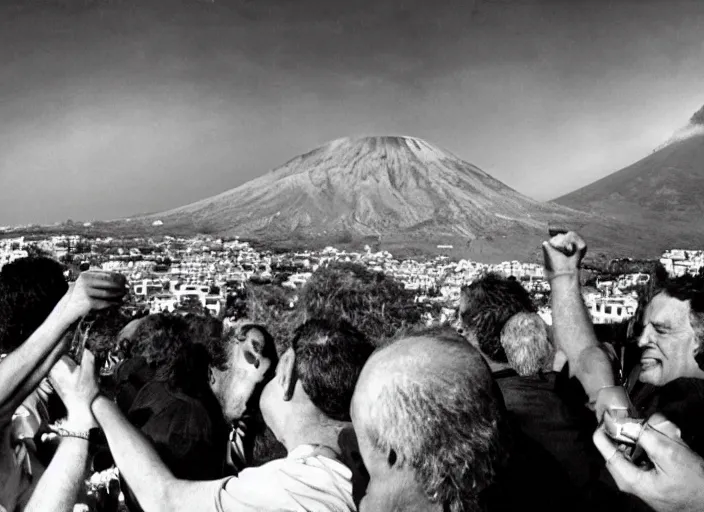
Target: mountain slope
(667, 185)
(388, 187)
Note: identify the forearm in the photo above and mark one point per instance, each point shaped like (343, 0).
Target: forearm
(138, 462)
(61, 482)
(17, 367)
(30, 383)
(574, 335)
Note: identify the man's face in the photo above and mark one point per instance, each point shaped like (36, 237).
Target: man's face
(668, 341)
(246, 370)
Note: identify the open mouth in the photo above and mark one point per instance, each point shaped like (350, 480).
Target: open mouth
(648, 362)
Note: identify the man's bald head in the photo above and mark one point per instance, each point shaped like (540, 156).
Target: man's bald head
(427, 402)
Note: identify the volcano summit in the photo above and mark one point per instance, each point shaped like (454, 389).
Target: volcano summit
(399, 188)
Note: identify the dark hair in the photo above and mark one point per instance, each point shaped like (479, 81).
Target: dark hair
(329, 358)
(102, 339)
(208, 332)
(164, 341)
(489, 302)
(29, 289)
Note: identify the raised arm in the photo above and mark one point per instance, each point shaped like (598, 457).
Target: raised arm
(153, 484)
(25, 367)
(61, 482)
(574, 334)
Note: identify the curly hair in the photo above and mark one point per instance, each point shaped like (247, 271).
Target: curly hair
(29, 289)
(105, 326)
(208, 332)
(485, 307)
(445, 420)
(164, 341)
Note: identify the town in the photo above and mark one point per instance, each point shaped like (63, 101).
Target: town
(208, 273)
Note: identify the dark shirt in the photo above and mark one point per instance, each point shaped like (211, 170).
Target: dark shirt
(532, 480)
(189, 432)
(680, 401)
(129, 378)
(542, 407)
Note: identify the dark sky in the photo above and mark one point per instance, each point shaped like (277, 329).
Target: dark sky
(114, 107)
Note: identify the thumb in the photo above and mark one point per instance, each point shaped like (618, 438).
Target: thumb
(625, 473)
(662, 449)
(660, 423)
(549, 253)
(88, 363)
(63, 366)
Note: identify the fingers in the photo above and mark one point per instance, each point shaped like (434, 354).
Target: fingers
(87, 364)
(568, 243)
(63, 367)
(664, 452)
(105, 293)
(102, 279)
(625, 474)
(664, 426)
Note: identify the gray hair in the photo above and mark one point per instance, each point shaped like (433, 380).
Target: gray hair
(445, 420)
(527, 344)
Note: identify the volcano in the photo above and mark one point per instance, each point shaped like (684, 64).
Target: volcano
(393, 189)
(664, 189)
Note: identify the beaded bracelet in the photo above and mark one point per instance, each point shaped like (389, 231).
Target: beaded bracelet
(62, 432)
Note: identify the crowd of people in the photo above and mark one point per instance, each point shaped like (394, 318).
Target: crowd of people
(495, 412)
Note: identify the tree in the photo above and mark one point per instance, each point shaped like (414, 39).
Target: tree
(378, 305)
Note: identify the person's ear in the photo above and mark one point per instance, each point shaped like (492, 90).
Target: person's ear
(211, 376)
(391, 458)
(286, 373)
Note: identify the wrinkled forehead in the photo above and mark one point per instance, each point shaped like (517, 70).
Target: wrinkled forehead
(667, 311)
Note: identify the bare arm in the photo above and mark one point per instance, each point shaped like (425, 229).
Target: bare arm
(27, 364)
(61, 482)
(589, 361)
(19, 367)
(150, 480)
(574, 335)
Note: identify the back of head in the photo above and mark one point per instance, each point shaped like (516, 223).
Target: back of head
(29, 289)
(329, 358)
(429, 402)
(208, 332)
(525, 341)
(485, 307)
(164, 341)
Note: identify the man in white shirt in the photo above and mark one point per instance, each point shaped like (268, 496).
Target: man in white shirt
(306, 405)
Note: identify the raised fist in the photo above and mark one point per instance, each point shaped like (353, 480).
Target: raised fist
(563, 254)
